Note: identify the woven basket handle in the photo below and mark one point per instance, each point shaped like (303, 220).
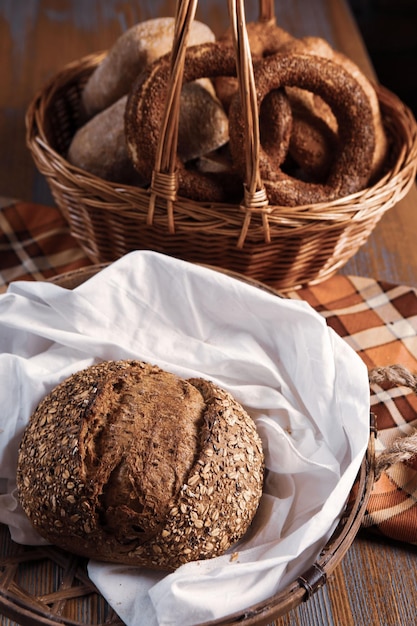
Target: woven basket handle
(164, 180)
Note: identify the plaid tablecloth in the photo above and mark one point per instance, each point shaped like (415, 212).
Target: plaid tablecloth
(35, 243)
(378, 320)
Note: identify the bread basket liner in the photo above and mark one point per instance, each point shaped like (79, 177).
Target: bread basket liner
(291, 246)
(305, 387)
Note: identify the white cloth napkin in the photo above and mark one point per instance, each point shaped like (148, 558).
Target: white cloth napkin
(305, 387)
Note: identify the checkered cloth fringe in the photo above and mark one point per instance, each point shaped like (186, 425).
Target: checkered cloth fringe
(377, 319)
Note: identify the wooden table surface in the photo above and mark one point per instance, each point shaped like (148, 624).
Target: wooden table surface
(376, 582)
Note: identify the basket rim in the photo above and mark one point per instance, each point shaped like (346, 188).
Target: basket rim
(346, 207)
(305, 585)
(291, 246)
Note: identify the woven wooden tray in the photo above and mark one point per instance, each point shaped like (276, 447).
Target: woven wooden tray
(286, 246)
(50, 587)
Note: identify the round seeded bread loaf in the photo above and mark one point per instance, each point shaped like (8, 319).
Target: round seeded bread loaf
(127, 463)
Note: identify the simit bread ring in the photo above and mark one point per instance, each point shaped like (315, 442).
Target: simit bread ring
(351, 168)
(314, 126)
(144, 114)
(320, 47)
(312, 142)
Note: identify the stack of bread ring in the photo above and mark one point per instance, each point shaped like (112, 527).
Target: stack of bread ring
(321, 131)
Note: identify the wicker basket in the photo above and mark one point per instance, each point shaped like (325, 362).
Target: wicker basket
(50, 587)
(284, 246)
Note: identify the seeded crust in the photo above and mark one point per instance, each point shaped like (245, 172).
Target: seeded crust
(127, 463)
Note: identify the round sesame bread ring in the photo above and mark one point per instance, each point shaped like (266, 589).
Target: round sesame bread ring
(351, 167)
(320, 47)
(144, 114)
(128, 463)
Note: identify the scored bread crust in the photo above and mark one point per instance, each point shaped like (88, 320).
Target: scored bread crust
(125, 462)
